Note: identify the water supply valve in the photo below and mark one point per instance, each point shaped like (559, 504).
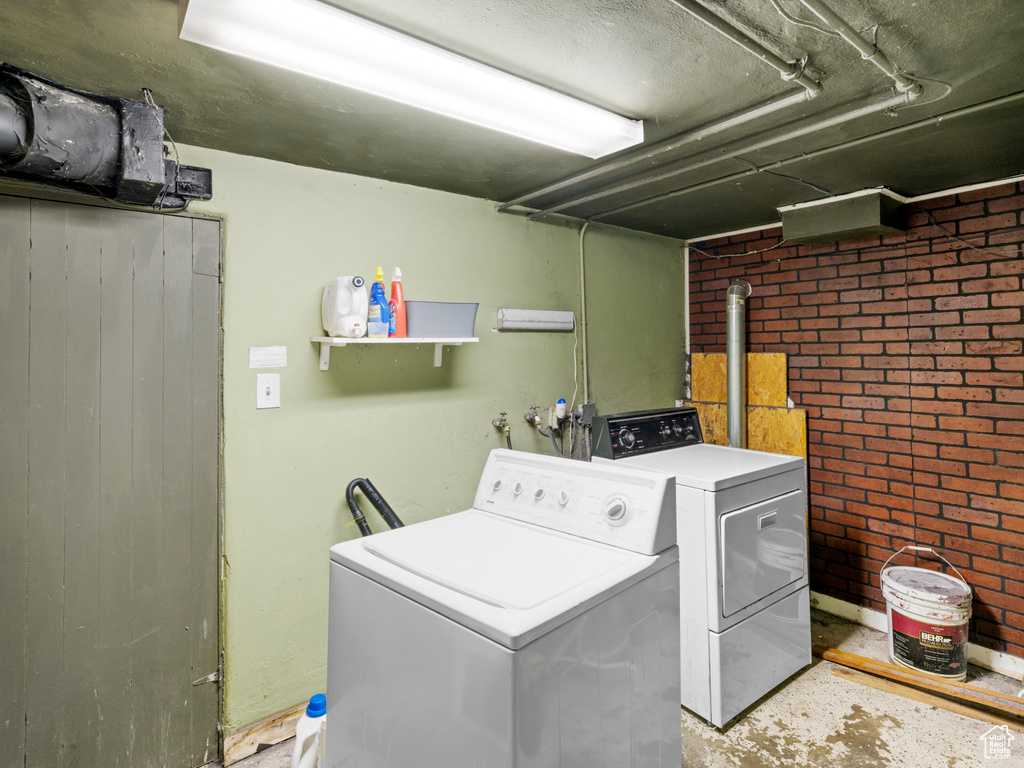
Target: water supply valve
(532, 417)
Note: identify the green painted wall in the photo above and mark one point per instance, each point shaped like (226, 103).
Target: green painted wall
(420, 433)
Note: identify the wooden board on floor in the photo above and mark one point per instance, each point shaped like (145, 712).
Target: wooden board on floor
(987, 697)
(924, 697)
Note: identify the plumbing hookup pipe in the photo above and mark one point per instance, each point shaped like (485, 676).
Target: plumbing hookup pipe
(371, 493)
(736, 362)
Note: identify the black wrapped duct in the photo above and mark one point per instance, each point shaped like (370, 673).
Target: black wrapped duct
(13, 130)
(105, 146)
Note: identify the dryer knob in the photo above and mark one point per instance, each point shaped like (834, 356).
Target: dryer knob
(517, 488)
(538, 494)
(497, 485)
(563, 498)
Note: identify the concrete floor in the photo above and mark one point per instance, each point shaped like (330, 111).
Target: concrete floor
(820, 721)
(816, 720)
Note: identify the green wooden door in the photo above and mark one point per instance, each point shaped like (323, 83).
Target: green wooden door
(109, 467)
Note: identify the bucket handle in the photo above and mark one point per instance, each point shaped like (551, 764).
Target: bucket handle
(926, 549)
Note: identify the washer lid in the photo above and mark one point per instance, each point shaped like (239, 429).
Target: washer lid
(714, 467)
(509, 581)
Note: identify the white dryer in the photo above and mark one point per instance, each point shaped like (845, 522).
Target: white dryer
(537, 629)
(742, 526)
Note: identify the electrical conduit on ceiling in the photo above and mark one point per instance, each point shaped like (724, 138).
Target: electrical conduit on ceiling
(668, 145)
(804, 156)
(868, 51)
(790, 72)
(910, 91)
(873, 107)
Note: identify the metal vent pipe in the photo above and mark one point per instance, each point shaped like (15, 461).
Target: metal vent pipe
(736, 362)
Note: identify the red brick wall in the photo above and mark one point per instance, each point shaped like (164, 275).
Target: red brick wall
(905, 350)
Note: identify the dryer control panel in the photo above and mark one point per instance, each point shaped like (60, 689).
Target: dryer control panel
(627, 508)
(631, 434)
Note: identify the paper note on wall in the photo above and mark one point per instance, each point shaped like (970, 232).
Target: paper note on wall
(268, 357)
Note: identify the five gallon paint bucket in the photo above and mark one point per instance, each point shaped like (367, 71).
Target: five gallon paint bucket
(928, 613)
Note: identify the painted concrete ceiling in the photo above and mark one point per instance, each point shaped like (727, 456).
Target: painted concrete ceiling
(646, 59)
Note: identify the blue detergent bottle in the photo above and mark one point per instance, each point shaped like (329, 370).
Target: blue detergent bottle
(378, 316)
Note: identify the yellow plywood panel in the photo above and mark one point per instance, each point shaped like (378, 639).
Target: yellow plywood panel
(766, 378)
(775, 430)
(707, 377)
(712, 418)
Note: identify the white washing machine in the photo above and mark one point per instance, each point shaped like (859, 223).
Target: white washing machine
(537, 629)
(742, 526)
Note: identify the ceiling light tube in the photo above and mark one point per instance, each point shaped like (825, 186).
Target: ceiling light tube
(322, 41)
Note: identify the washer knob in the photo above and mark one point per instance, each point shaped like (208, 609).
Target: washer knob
(626, 438)
(497, 485)
(563, 498)
(615, 511)
(538, 494)
(517, 488)
(677, 428)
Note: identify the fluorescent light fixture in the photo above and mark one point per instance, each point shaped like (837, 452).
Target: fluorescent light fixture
(534, 320)
(322, 41)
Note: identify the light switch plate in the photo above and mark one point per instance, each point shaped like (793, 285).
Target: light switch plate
(268, 390)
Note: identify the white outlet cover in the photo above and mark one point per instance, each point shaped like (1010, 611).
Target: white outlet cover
(268, 390)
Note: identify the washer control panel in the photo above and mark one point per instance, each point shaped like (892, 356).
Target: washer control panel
(630, 434)
(628, 508)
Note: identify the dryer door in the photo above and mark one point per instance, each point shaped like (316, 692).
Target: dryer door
(762, 549)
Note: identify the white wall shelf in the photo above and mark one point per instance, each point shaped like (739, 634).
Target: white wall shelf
(328, 342)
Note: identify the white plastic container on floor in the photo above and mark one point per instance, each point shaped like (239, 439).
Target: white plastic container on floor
(928, 615)
(307, 733)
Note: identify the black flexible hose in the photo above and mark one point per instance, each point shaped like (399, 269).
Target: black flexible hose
(549, 432)
(382, 507)
(357, 513)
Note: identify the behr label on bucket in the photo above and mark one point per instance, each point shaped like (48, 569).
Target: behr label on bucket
(929, 648)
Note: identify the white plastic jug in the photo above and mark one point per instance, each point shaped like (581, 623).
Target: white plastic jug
(344, 307)
(307, 733)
